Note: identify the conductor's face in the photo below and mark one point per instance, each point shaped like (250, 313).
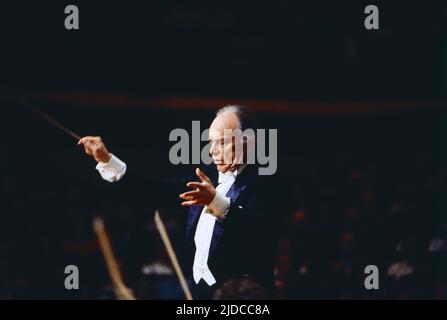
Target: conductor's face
(222, 150)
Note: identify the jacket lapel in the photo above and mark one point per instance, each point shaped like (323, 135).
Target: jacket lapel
(233, 193)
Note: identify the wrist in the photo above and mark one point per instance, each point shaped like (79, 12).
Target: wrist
(106, 158)
(219, 206)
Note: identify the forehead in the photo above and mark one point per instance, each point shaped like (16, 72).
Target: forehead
(225, 121)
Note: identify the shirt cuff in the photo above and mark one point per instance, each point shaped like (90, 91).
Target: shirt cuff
(113, 170)
(219, 206)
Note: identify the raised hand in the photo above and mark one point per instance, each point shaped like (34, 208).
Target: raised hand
(203, 193)
(95, 147)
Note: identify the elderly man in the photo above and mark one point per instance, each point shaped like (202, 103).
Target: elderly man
(230, 230)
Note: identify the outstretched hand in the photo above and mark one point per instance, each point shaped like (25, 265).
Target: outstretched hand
(203, 193)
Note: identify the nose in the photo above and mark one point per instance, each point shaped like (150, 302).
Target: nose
(213, 149)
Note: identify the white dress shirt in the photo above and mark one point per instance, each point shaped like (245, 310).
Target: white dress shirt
(217, 209)
(115, 169)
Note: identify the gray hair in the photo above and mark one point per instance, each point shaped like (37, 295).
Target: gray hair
(247, 119)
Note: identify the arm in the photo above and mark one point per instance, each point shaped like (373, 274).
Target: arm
(112, 169)
(109, 166)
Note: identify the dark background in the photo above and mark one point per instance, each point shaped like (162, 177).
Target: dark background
(361, 128)
(282, 49)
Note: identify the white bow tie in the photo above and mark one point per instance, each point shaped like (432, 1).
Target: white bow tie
(226, 177)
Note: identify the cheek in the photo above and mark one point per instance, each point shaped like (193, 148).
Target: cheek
(228, 150)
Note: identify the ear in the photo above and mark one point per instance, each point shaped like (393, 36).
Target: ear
(249, 142)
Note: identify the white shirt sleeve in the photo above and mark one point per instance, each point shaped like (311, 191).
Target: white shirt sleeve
(113, 170)
(219, 206)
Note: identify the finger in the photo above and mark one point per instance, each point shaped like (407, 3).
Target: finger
(190, 194)
(85, 139)
(184, 197)
(86, 142)
(96, 140)
(197, 185)
(88, 147)
(81, 141)
(202, 176)
(189, 203)
(87, 150)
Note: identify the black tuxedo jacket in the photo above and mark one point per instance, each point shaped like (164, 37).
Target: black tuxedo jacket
(244, 243)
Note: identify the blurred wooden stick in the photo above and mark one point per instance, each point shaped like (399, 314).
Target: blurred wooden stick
(164, 236)
(46, 117)
(121, 291)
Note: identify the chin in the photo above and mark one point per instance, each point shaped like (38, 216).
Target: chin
(223, 167)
